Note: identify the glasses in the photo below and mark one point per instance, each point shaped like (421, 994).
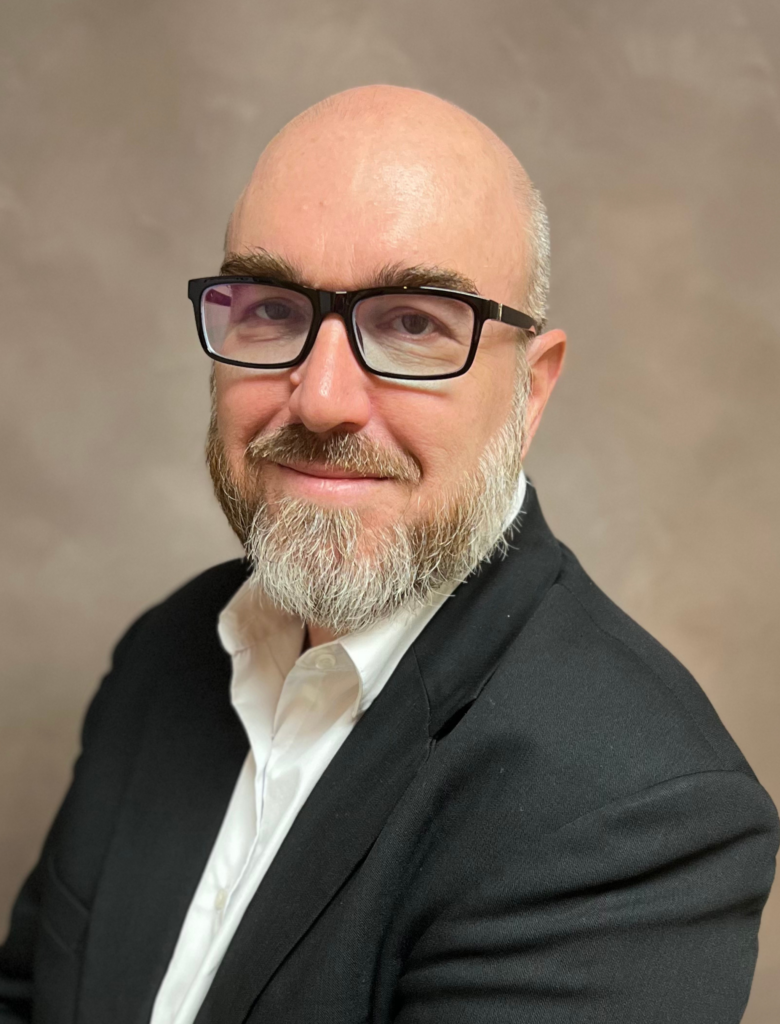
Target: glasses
(405, 333)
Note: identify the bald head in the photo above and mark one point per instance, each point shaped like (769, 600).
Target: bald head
(385, 176)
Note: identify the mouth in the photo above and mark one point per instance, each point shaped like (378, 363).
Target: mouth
(328, 484)
(323, 472)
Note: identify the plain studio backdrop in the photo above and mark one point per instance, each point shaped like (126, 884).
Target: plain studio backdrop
(126, 132)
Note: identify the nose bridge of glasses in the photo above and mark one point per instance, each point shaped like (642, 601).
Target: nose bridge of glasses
(334, 302)
(338, 304)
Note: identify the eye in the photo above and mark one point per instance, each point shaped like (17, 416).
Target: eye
(409, 323)
(273, 309)
(415, 323)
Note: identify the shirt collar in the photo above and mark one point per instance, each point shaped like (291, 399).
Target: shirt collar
(249, 619)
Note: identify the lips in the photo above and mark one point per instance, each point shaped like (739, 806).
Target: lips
(326, 472)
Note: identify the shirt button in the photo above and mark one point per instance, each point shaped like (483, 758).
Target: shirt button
(325, 662)
(221, 899)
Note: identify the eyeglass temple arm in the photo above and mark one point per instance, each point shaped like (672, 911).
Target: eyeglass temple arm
(507, 315)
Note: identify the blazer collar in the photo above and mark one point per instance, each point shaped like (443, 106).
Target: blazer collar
(464, 643)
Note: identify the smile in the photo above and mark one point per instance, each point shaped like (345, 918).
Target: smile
(326, 472)
(317, 481)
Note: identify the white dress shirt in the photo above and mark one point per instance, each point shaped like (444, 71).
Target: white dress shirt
(297, 710)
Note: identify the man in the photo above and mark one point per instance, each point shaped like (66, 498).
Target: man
(405, 763)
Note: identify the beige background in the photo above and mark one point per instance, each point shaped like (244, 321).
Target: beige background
(126, 131)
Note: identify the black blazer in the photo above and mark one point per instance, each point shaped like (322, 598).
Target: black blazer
(540, 820)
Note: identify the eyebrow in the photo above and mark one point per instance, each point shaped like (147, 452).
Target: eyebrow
(261, 263)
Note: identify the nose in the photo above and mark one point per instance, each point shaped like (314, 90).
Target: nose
(330, 388)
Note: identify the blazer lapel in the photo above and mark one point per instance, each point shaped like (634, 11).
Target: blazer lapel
(438, 677)
(463, 644)
(192, 752)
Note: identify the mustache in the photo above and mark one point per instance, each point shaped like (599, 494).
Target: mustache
(295, 443)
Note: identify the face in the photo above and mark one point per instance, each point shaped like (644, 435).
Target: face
(340, 213)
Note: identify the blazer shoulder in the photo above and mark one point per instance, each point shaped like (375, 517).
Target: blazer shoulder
(179, 632)
(189, 614)
(205, 595)
(654, 679)
(584, 709)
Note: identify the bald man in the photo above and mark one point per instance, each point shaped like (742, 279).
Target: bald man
(404, 762)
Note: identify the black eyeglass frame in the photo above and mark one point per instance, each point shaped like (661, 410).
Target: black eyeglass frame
(343, 304)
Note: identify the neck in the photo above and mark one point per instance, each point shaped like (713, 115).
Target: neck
(316, 635)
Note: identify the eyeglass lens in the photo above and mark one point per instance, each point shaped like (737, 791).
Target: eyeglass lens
(418, 335)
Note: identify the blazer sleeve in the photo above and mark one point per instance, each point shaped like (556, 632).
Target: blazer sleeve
(17, 954)
(645, 910)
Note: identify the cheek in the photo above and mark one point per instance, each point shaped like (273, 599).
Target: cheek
(447, 427)
(248, 404)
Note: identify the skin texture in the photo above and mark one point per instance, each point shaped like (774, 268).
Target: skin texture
(382, 176)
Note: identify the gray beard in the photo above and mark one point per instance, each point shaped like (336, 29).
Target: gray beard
(327, 567)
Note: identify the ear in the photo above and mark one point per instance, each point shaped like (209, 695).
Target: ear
(545, 362)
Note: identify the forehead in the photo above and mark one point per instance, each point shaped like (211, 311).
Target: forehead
(338, 204)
